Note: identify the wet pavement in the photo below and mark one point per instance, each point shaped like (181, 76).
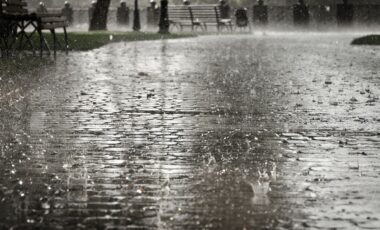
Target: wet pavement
(276, 131)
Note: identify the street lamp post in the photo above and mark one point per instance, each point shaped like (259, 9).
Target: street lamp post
(164, 18)
(136, 17)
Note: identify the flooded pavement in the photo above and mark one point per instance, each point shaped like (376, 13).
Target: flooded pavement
(276, 131)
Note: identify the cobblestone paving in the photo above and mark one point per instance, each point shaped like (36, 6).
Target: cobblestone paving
(218, 132)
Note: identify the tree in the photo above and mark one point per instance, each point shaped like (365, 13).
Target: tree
(99, 17)
(164, 18)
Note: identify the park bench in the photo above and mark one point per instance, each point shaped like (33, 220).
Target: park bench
(16, 18)
(52, 21)
(197, 16)
(181, 16)
(210, 15)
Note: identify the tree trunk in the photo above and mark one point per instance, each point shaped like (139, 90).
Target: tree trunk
(136, 17)
(99, 18)
(164, 18)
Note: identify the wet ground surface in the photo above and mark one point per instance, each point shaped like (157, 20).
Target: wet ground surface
(218, 132)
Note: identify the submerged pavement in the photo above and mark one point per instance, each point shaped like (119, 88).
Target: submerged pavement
(276, 131)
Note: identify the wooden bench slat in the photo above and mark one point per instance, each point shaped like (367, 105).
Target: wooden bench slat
(53, 19)
(49, 14)
(14, 11)
(15, 3)
(49, 26)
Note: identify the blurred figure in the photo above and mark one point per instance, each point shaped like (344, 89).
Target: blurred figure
(260, 13)
(42, 8)
(153, 4)
(225, 9)
(153, 13)
(68, 12)
(345, 13)
(241, 16)
(324, 15)
(91, 10)
(122, 14)
(301, 15)
(186, 2)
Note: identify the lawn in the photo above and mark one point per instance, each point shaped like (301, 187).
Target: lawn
(82, 41)
(367, 40)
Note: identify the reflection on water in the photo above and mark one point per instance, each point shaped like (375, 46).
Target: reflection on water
(151, 139)
(159, 135)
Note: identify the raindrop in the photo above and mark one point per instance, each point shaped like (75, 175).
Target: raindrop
(45, 205)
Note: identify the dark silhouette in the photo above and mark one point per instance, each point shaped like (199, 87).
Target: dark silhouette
(324, 15)
(153, 13)
(164, 18)
(122, 14)
(98, 14)
(345, 13)
(241, 16)
(301, 15)
(260, 13)
(186, 2)
(42, 8)
(91, 10)
(68, 12)
(136, 17)
(225, 9)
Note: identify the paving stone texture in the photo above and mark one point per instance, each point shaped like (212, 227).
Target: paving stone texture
(275, 131)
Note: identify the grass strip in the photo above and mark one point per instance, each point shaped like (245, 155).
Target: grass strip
(372, 39)
(83, 41)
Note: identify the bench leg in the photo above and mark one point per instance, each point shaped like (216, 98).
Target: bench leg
(7, 39)
(2, 46)
(27, 37)
(12, 38)
(54, 42)
(66, 40)
(41, 42)
(21, 26)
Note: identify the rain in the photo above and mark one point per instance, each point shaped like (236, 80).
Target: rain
(151, 117)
